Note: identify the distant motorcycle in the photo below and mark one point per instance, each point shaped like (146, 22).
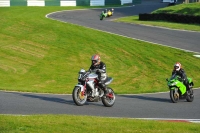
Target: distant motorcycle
(178, 89)
(88, 89)
(106, 13)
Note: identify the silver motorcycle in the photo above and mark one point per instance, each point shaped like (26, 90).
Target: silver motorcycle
(88, 90)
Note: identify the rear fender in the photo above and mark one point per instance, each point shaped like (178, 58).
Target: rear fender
(192, 83)
(190, 80)
(109, 81)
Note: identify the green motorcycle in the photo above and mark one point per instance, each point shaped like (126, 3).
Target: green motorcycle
(178, 89)
(103, 15)
(106, 13)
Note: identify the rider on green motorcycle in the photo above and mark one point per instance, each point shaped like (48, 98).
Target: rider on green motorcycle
(178, 70)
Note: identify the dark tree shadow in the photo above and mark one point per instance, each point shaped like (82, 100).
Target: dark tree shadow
(51, 99)
(148, 98)
(55, 99)
(59, 100)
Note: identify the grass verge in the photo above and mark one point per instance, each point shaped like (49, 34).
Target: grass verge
(85, 124)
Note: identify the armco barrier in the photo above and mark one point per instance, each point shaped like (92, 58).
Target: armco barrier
(58, 2)
(68, 3)
(18, 3)
(35, 3)
(112, 2)
(4, 2)
(125, 2)
(97, 2)
(179, 18)
(65, 2)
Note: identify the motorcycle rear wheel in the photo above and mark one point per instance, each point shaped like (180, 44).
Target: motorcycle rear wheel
(109, 99)
(78, 98)
(190, 96)
(174, 97)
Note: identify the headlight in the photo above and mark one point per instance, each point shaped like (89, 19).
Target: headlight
(172, 84)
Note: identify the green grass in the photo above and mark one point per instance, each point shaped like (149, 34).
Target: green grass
(86, 124)
(188, 9)
(43, 55)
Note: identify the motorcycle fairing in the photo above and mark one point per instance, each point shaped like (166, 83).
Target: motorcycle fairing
(92, 76)
(181, 87)
(174, 82)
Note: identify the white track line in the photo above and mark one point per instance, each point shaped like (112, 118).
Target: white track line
(156, 119)
(171, 119)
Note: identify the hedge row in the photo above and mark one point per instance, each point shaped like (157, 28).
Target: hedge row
(179, 18)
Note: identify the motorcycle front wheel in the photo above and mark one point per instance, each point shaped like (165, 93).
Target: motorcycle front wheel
(174, 96)
(109, 99)
(78, 97)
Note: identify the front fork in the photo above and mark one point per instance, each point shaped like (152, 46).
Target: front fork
(83, 89)
(176, 93)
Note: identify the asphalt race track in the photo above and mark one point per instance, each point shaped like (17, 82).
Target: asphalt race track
(132, 106)
(156, 105)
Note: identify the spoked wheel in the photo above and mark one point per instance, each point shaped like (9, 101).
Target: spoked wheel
(174, 96)
(109, 99)
(190, 95)
(79, 97)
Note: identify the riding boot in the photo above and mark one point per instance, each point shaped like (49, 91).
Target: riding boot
(103, 86)
(105, 89)
(185, 82)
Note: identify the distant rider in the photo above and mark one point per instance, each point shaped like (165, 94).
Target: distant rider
(105, 10)
(99, 68)
(178, 70)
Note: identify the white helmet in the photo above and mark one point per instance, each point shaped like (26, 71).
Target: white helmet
(177, 66)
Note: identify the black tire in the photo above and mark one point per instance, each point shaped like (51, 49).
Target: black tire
(101, 17)
(190, 96)
(107, 101)
(174, 98)
(77, 98)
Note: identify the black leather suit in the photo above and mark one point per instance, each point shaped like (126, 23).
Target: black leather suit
(183, 76)
(100, 69)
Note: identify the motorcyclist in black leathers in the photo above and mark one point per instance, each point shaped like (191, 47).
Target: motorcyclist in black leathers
(178, 70)
(100, 68)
